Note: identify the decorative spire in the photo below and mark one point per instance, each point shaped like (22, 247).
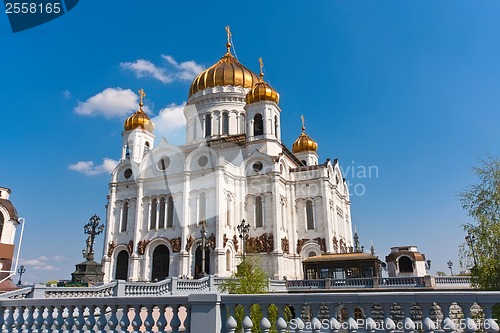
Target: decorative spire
(356, 242)
(261, 69)
(142, 94)
(372, 249)
(303, 124)
(228, 44)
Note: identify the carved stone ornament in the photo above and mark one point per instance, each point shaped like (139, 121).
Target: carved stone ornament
(321, 242)
(235, 242)
(111, 248)
(141, 246)
(130, 247)
(176, 244)
(211, 241)
(284, 245)
(300, 243)
(263, 243)
(189, 242)
(224, 240)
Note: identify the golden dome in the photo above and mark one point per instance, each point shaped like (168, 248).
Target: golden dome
(139, 119)
(226, 72)
(262, 91)
(304, 142)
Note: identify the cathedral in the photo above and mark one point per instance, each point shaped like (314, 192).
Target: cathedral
(232, 190)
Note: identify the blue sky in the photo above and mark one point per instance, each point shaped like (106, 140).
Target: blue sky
(408, 87)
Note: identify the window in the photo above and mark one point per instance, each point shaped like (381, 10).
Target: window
(124, 217)
(2, 220)
(162, 214)
(242, 124)
(258, 125)
(202, 205)
(309, 214)
(276, 126)
(225, 123)
(405, 265)
(208, 125)
(170, 212)
(228, 211)
(258, 212)
(154, 207)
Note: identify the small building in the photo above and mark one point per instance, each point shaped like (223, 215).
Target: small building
(406, 261)
(8, 223)
(340, 266)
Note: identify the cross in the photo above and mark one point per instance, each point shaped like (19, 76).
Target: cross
(261, 68)
(142, 94)
(303, 123)
(228, 44)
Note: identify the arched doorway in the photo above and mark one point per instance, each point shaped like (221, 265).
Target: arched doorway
(198, 261)
(405, 265)
(121, 271)
(161, 259)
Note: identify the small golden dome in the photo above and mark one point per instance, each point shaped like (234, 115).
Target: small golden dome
(226, 72)
(139, 119)
(262, 91)
(304, 142)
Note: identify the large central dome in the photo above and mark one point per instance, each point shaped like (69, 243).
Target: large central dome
(226, 72)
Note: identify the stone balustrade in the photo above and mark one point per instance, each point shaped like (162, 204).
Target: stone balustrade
(374, 311)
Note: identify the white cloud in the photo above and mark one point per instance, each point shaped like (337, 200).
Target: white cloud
(145, 68)
(67, 94)
(171, 123)
(184, 71)
(111, 102)
(42, 263)
(88, 168)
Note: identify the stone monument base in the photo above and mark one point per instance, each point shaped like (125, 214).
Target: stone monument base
(88, 272)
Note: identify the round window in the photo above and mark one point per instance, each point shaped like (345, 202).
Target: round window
(163, 163)
(128, 173)
(257, 166)
(202, 161)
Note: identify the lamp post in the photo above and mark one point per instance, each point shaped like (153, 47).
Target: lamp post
(92, 229)
(428, 264)
(243, 230)
(203, 246)
(21, 270)
(471, 239)
(450, 266)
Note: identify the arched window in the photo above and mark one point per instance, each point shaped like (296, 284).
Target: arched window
(202, 214)
(228, 211)
(242, 124)
(208, 125)
(124, 217)
(2, 220)
(161, 222)
(170, 212)
(311, 254)
(258, 212)
(154, 207)
(225, 123)
(309, 214)
(228, 260)
(276, 126)
(258, 125)
(405, 265)
(121, 270)
(161, 261)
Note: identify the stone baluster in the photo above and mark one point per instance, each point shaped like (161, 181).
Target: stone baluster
(49, 320)
(447, 324)
(247, 324)
(408, 323)
(161, 322)
(387, 321)
(101, 322)
(124, 320)
(490, 325)
(469, 323)
(231, 324)
(265, 325)
(187, 320)
(69, 320)
(315, 325)
(352, 325)
(149, 321)
(80, 319)
(113, 319)
(175, 323)
(37, 325)
(428, 324)
(19, 322)
(59, 320)
(335, 325)
(370, 324)
(29, 319)
(137, 321)
(2, 318)
(10, 320)
(90, 322)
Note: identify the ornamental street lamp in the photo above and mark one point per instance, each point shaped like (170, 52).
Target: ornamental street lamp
(92, 229)
(21, 270)
(428, 264)
(471, 240)
(243, 230)
(203, 246)
(450, 266)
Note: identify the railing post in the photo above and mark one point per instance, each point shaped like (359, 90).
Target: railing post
(38, 291)
(173, 286)
(328, 283)
(205, 313)
(119, 289)
(375, 282)
(211, 284)
(430, 282)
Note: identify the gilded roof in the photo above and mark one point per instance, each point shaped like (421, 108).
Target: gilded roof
(139, 119)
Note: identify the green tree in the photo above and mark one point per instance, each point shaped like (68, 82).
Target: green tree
(249, 278)
(481, 252)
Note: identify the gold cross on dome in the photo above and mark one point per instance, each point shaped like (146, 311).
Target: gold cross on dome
(303, 123)
(228, 44)
(142, 94)
(261, 68)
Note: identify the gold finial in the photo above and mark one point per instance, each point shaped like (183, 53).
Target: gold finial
(228, 44)
(303, 124)
(142, 94)
(261, 68)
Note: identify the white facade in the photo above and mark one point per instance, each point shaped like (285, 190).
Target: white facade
(230, 169)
